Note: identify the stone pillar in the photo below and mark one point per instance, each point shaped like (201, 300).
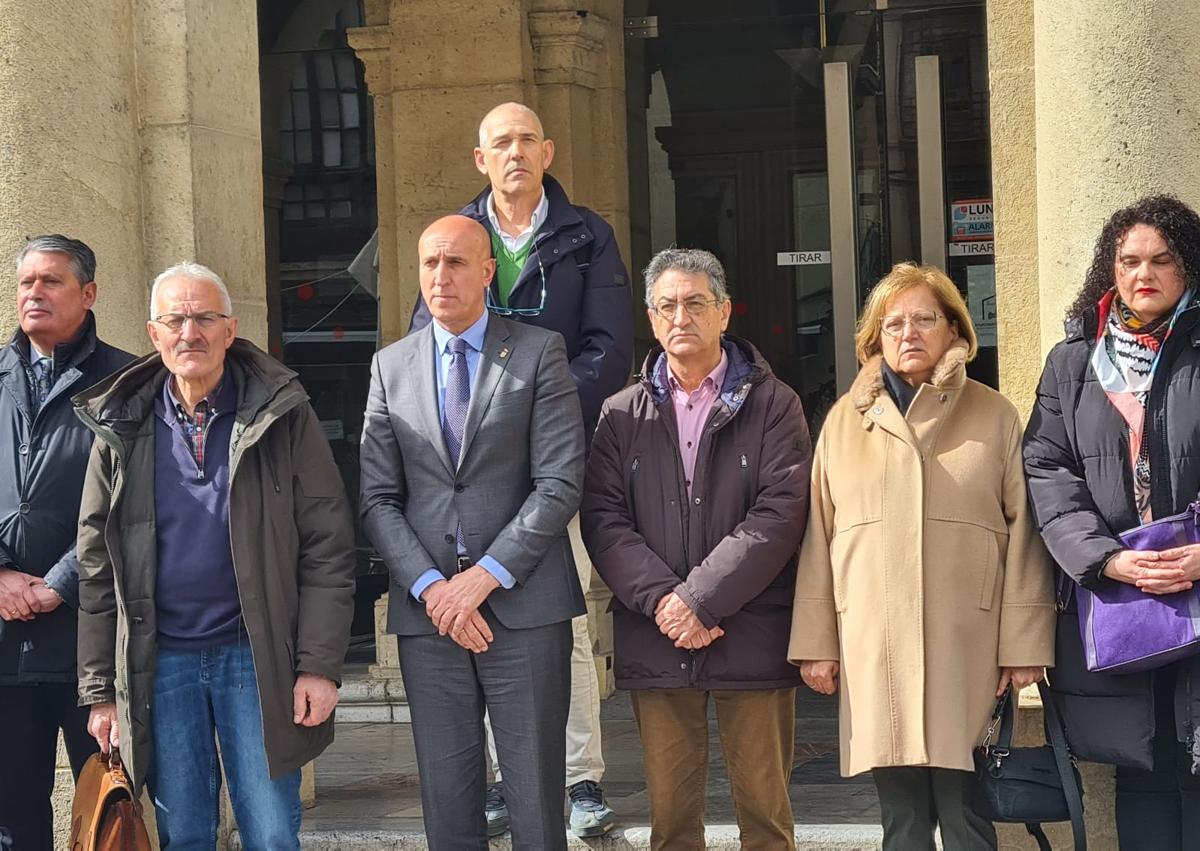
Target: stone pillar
(433, 75)
(70, 152)
(1118, 103)
(201, 144)
(579, 72)
(1014, 172)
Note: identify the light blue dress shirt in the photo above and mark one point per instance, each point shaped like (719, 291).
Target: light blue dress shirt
(473, 337)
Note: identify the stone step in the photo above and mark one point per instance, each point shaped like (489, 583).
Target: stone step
(372, 700)
(809, 837)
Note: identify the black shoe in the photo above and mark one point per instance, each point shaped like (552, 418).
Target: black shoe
(495, 810)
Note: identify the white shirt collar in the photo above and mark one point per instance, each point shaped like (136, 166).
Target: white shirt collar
(515, 243)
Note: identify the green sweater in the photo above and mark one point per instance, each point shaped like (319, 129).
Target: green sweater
(508, 265)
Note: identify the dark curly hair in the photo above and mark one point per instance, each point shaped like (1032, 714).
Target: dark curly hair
(1176, 223)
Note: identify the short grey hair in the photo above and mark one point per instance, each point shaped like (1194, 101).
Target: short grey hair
(690, 261)
(193, 272)
(79, 254)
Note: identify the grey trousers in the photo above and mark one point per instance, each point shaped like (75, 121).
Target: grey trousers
(914, 800)
(524, 681)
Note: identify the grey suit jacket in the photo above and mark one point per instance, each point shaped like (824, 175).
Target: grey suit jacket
(518, 484)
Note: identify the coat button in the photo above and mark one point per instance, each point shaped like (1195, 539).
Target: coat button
(574, 241)
(683, 666)
(23, 508)
(449, 539)
(697, 500)
(556, 251)
(877, 410)
(943, 397)
(459, 488)
(23, 448)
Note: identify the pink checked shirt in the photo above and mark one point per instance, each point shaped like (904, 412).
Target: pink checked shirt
(691, 412)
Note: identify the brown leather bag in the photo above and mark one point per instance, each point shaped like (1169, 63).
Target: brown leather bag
(106, 816)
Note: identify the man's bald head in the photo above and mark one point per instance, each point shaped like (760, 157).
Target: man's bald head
(472, 233)
(505, 112)
(456, 268)
(513, 151)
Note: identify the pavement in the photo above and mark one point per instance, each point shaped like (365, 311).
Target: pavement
(368, 790)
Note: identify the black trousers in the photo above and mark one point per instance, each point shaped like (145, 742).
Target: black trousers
(1159, 810)
(913, 800)
(31, 716)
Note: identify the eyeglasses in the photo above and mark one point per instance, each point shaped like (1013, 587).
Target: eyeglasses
(500, 310)
(205, 320)
(694, 307)
(921, 320)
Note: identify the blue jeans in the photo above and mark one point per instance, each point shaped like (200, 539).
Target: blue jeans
(196, 694)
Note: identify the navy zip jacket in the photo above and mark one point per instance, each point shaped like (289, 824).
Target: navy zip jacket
(43, 457)
(587, 295)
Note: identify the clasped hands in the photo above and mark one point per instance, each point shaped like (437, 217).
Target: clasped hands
(1163, 572)
(678, 622)
(24, 596)
(453, 606)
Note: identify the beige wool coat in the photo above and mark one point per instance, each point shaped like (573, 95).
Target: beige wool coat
(921, 571)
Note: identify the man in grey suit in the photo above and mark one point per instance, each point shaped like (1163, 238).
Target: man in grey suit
(472, 466)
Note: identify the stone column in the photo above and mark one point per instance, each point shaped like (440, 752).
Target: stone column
(433, 75)
(1118, 104)
(70, 152)
(579, 74)
(1014, 172)
(201, 144)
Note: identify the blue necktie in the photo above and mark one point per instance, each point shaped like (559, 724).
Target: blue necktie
(41, 384)
(454, 410)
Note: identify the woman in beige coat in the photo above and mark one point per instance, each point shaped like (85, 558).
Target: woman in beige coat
(923, 589)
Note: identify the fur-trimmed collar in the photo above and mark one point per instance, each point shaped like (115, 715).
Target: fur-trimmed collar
(950, 371)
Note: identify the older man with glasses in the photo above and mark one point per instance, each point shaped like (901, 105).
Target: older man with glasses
(216, 570)
(557, 267)
(694, 506)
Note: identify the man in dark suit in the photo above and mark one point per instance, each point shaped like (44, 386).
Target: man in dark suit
(472, 466)
(557, 266)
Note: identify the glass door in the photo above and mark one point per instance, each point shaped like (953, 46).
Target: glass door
(728, 152)
(783, 137)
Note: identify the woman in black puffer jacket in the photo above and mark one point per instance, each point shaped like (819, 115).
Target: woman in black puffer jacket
(1113, 442)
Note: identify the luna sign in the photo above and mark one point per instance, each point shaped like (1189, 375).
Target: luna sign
(971, 220)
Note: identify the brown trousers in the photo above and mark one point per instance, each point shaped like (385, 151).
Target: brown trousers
(757, 731)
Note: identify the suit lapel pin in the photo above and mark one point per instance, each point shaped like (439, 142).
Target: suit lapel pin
(504, 352)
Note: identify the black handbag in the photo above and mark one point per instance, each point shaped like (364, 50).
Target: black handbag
(1028, 785)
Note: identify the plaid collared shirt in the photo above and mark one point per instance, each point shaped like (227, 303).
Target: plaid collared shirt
(195, 427)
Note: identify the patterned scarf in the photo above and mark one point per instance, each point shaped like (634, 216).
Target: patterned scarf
(1124, 361)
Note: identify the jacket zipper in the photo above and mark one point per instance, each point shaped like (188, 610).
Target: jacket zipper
(633, 468)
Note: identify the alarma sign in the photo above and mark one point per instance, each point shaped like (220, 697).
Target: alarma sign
(971, 220)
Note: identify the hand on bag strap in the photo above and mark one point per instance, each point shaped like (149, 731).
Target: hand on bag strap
(1062, 758)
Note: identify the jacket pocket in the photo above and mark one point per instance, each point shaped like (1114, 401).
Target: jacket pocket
(991, 567)
(854, 554)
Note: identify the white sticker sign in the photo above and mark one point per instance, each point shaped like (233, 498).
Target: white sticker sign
(802, 258)
(968, 249)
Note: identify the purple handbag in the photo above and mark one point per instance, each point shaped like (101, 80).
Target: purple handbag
(1126, 630)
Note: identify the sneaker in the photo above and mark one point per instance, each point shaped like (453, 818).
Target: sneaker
(590, 815)
(495, 810)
